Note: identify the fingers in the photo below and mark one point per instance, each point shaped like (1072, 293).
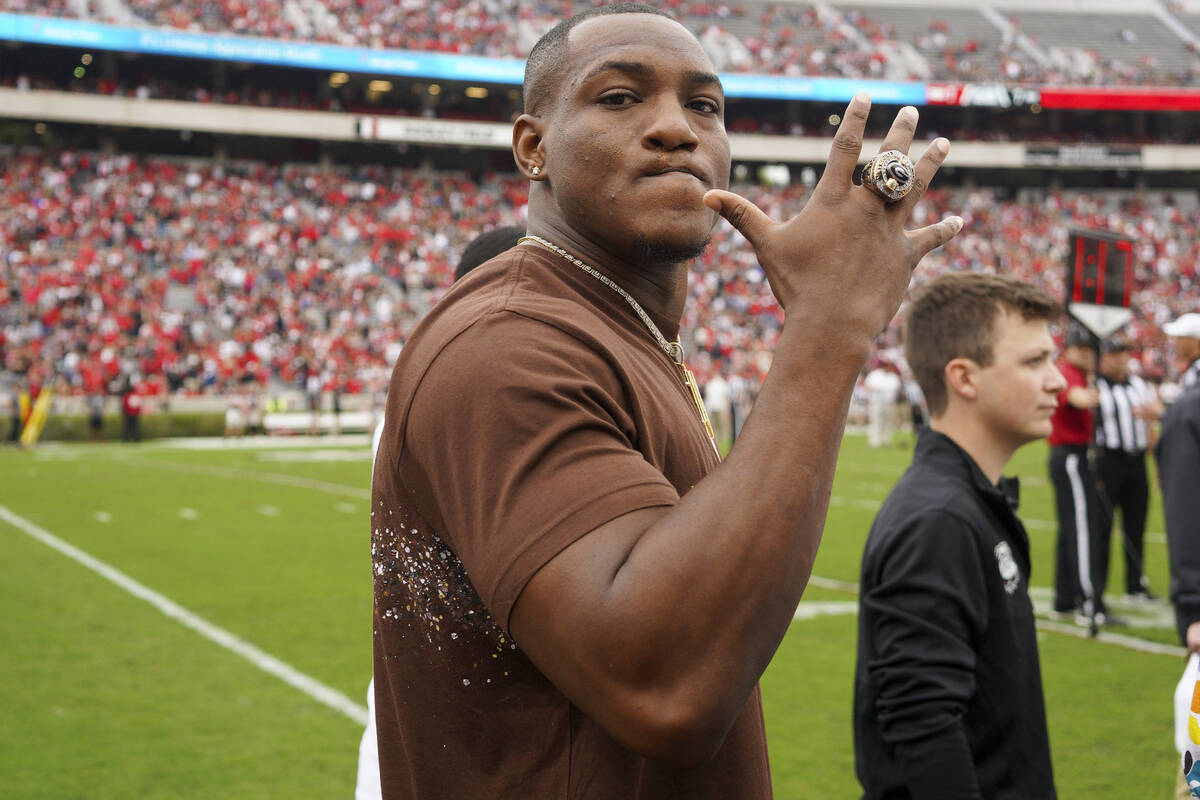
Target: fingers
(927, 167)
(934, 236)
(748, 218)
(847, 144)
(903, 129)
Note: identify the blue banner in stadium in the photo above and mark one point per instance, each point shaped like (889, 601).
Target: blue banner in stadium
(161, 41)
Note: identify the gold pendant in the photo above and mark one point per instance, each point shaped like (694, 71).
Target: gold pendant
(690, 380)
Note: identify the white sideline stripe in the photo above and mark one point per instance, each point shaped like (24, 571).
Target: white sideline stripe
(1116, 639)
(267, 663)
(1155, 537)
(835, 585)
(866, 504)
(825, 609)
(1120, 640)
(252, 475)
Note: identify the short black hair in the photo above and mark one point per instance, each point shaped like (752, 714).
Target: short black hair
(487, 246)
(544, 67)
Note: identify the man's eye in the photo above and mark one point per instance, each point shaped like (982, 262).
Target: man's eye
(617, 99)
(705, 106)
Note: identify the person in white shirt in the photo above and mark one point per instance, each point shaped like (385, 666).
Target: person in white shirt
(883, 387)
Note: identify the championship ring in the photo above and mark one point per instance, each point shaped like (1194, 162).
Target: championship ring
(889, 175)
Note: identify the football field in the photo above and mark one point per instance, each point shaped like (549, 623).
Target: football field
(194, 621)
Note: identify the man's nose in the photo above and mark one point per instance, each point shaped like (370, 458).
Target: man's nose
(669, 127)
(1056, 382)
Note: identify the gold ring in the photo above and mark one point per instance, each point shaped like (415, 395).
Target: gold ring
(890, 175)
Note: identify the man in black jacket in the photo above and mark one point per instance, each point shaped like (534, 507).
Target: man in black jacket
(1178, 454)
(948, 692)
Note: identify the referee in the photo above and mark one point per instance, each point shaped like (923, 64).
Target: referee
(1128, 406)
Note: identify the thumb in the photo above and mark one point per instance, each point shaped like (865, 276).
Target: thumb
(748, 218)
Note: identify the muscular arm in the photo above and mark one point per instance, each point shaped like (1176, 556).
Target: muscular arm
(659, 623)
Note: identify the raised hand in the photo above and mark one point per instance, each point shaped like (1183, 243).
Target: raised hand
(846, 256)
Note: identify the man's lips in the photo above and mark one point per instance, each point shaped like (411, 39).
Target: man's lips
(658, 172)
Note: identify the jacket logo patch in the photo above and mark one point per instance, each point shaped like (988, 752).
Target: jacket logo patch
(1009, 572)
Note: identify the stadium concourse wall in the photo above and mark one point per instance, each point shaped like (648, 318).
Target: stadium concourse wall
(269, 122)
(178, 417)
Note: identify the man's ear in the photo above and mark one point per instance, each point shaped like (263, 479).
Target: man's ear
(527, 147)
(962, 378)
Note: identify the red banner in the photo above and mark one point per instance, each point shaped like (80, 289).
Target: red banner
(1121, 99)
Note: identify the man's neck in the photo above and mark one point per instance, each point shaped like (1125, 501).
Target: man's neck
(661, 289)
(990, 455)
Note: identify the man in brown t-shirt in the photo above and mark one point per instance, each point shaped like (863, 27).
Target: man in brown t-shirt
(573, 597)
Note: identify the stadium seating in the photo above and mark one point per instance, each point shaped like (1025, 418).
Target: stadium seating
(200, 276)
(1145, 45)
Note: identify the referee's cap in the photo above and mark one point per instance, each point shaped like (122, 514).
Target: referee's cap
(1187, 325)
(1115, 344)
(1078, 336)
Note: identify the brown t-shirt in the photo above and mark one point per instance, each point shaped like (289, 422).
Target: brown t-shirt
(529, 408)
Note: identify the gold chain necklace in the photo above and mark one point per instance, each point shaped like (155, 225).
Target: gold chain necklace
(674, 350)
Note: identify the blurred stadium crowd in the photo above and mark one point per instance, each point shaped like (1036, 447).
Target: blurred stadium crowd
(214, 275)
(197, 277)
(1017, 46)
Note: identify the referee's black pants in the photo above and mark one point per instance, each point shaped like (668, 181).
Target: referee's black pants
(1123, 485)
(1078, 510)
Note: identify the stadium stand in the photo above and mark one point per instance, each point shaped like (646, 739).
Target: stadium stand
(201, 260)
(1145, 45)
(200, 277)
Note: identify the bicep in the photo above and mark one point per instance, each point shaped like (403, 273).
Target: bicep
(563, 618)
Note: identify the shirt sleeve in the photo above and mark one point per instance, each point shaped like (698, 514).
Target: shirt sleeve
(1179, 473)
(524, 436)
(925, 613)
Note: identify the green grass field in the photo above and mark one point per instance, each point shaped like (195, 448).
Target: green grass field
(105, 696)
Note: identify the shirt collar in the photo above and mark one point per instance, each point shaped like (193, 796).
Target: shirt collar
(939, 449)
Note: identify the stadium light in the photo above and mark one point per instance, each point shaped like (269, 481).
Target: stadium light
(476, 92)
(338, 79)
(379, 86)
(434, 89)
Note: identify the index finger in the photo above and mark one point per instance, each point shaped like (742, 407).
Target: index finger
(847, 144)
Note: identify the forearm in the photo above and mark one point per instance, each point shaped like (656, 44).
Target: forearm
(749, 532)
(939, 767)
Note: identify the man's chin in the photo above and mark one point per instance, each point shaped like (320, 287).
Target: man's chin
(662, 251)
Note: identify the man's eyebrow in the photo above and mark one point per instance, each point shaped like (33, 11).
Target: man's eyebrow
(640, 70)
(634, 68)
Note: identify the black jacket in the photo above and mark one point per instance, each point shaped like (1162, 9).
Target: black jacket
(1178, 454)
(948, 690)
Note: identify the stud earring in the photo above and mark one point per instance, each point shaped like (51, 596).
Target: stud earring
(536, 170)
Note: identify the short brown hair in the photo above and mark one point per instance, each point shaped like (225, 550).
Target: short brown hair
(955, 315)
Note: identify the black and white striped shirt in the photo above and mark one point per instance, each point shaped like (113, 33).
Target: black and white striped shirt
(1117, 427)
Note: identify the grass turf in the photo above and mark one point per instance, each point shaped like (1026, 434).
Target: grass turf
(106, 697)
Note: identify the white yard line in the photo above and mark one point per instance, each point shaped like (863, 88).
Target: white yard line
(825, 609)
(254, 475)
(1117, 639)
(267, 663)
(1033, 524)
